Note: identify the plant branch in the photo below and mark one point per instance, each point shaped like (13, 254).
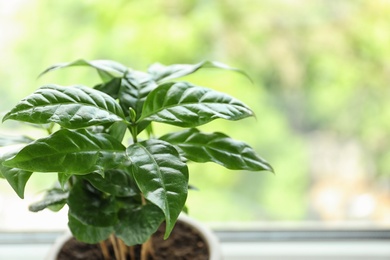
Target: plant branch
(104, 249)
(122, 248)
(115, 246)
(147, 249)
(132, 252)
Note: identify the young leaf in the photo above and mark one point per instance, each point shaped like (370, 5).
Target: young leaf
(53, 198)
(17, 178)
(70, 107)
(183, 104)
(218, 148)
(133, 92)
(88, 233)
(73, 152)
(107, 69)
(136, 225)
(134, 89)
(161, 176)
(161, 73)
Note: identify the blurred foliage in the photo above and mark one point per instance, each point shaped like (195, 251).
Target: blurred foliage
(320, 68)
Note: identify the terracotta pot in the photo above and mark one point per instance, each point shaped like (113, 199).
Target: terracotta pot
(209, 237)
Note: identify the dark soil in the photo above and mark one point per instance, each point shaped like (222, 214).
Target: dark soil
(183, 243)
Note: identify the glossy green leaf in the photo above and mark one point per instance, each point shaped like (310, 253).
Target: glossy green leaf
(136, 225)
(90, 206)
(17, 178)
(218, 148)
(70, 107)
(118, 130)
(161, 72)
(135, 87)
(63, 179)
(111, 87)
(88, 233)
(115, 182)
(161, 176)
(54, 199)
(70, 151)
(183, 104)
(133, 92)
(107, 69)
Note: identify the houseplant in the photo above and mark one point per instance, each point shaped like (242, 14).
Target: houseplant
(114, 189)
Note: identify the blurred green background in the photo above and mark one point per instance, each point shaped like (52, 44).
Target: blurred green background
(321, 71)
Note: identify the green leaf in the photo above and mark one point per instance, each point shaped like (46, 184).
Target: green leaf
(71, 107)
(118, 130)
(17, 178)
(54, 199)
(63, 178)
(69, 151)
(135, 87)
(218, 148)
(161, 73)
(6, 140)
(111, 87)
(136, 225)
(90, 206)
(107, 69)
(161, 176)
(115, 182)
(186, 105)
(88, 233)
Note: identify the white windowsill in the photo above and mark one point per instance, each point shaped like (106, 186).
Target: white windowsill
(273, 250)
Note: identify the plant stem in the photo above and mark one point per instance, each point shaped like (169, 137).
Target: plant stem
(115, 246)
(103, 247)
(122, 249)
(147, 249)
(133, 128)
(132, 253)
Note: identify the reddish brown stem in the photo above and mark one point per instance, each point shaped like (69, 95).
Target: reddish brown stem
(132, 253)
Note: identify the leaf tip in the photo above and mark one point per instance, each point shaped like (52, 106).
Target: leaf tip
(269, 168)
(5, 117)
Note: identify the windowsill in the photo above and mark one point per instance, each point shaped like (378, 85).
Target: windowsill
(239, 241)
(249, 245)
